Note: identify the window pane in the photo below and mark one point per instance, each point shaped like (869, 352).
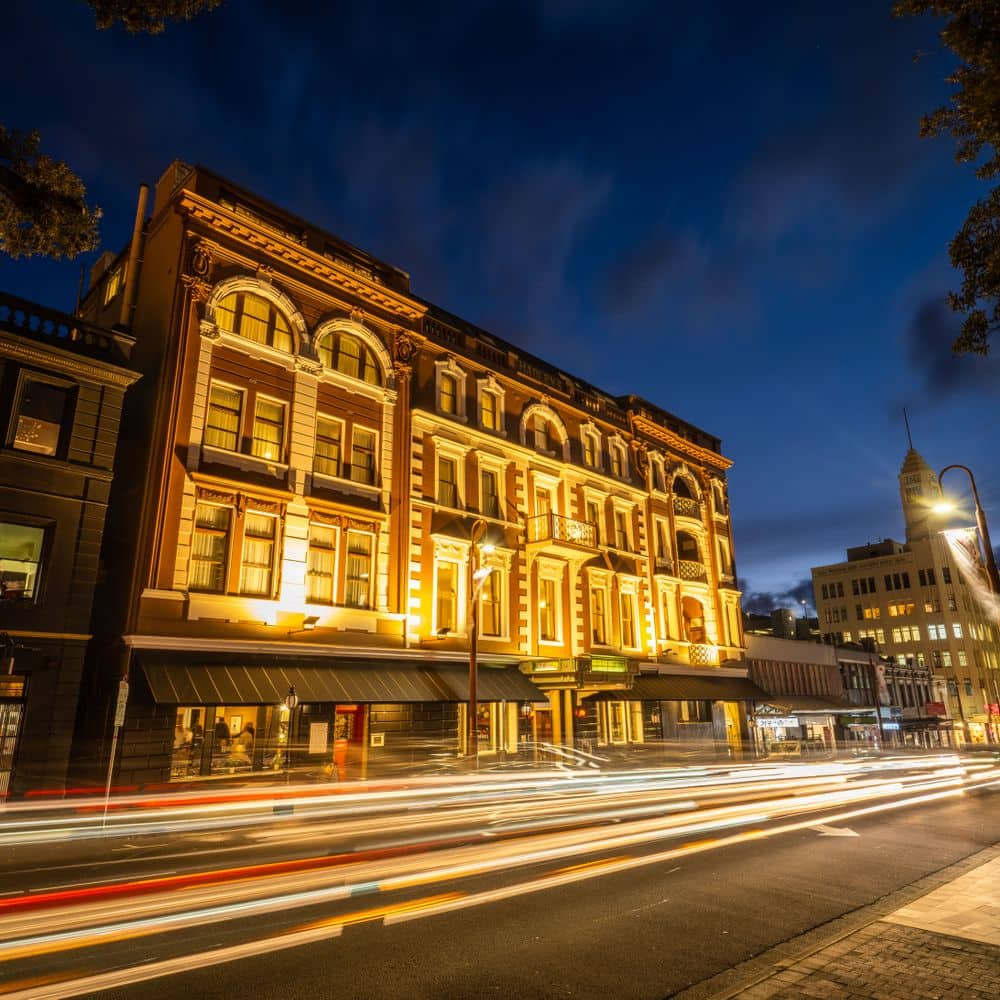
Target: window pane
(325, 350)
(547, 610)
(209, 547)
(327, 459)
(254, 321)
(40, 417)
(628, 621)
(449, 393)
(359, 560)
(20, 560)
(489, 499)
(225, 313)
(258, 554)
(363, 456)
(447, 596)
(489, 411)
(321, 563)
(349, 356)
(268, 430)
(222, 425)
(597, 617)
(282, 334)
(489, 612)
(447, 485)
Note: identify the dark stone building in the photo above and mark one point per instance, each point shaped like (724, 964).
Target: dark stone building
(62, 382)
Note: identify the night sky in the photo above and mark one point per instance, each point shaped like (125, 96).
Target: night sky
(723, 207)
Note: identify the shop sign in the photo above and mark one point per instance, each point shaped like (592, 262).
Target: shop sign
(935, 708)
(776, 722)
(318, 734)
(993, 709)
(890, 725)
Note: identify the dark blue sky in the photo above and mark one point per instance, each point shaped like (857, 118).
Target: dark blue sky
(727, 211)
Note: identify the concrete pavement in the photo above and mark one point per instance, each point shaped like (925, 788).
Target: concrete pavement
(938, 938)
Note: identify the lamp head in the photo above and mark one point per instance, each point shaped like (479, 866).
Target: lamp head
(943, 507)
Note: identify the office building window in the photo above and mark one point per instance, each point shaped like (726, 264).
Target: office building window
(628, 621)
(547, 611)
(621, 530)
(598, 616)
(447, 493)
(257, 568)
(446, 598)
(328, 438)
(268, 430)
(42, 414)
(448, 394)
(321, 564)
(210, 548)
(21, 547)
(617, 455)
(254, 318)
(489, 496)
(359, 567)
(490, 605)
(222, 425)
(363, 456)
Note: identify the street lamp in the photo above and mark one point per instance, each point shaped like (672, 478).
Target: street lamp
(477, 577)
(984, 532)
(291, 703)
(988, 557)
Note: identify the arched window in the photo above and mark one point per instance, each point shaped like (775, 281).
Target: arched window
(254, 317)
(449, 393)
(348, 355)
(682, 489)
(687, 547)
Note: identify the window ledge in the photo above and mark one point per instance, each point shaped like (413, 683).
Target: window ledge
(248, 463)
(326, 482)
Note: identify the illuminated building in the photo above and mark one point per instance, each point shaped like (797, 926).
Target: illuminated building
(321, 442)
(910, 602)
(62, 381)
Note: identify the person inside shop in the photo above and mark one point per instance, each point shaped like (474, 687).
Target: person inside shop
(245, 740)
(221, 733)
(182, 735)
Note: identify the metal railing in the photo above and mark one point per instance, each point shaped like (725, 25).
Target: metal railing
(557, 528)
(687, 507)
(689, 570)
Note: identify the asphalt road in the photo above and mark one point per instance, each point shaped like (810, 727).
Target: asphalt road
(644, 933)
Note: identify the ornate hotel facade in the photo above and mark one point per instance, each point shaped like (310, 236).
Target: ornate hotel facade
(327, 474)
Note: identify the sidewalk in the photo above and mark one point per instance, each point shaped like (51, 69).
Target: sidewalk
(938, 938)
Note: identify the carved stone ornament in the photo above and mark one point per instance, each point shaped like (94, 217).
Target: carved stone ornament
(358, 316)
(641, 459)
(322, 517)
(311, 366)
(263, 506)
(265, 274)
(405, 348)
(359, 525)
(198, 288)
(217, 496)
(202, 261)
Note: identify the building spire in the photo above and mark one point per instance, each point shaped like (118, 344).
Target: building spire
(906, 420)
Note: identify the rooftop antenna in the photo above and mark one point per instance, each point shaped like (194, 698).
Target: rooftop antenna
(906, 420)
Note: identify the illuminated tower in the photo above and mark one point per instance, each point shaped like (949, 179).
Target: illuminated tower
(919, 491)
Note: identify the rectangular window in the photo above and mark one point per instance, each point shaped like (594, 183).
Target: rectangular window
(598, 616)
(621, 530)
(963, 658)
(968, 686)
(359, 568)
(594, 518)
(489, 497)
(489, 605)
(946, 574)
(222, 425)
(113, 285)
(20, 561)
(257, 565)
(695, 711)
(210, 548)
(321, 564)
(41, 413)
(449, 393)
(589, 450)
(268, 430)
(447, 597)
(662, 543)
(447, 494)
(363, 456)
(956, 630)
(328, 443)
(490, 416)
(256, 317)
(628, 621)
(617, 464)
(547, 611)
(945, 658)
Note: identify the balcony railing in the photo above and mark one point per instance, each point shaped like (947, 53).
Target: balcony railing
(686, 507)
(557, 528)
(702, 655)
(689, 570)
(663, 564)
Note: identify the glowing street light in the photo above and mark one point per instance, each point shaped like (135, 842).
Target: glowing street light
(984, 534)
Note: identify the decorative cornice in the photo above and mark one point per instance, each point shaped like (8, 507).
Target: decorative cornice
(286, 250)
(704, 455)
(63, 361)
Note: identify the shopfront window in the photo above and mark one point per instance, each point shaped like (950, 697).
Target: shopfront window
(20, 561)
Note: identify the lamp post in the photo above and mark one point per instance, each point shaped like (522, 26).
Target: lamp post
(989, 559)
(291, 703)
(477, 576)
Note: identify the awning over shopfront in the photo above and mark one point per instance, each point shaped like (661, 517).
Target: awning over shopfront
(685, 687)
(178, 679)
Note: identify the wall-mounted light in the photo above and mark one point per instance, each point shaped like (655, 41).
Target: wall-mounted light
(308, 624)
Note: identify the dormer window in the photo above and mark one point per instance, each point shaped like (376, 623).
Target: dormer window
(448, 397)
(348, 355)
(489, 411)
(254, 318)
(591, 440)
(490, 395)
(616, 452)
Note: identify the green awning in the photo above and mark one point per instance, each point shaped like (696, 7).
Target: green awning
(686, 687)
